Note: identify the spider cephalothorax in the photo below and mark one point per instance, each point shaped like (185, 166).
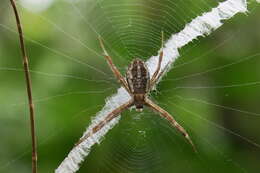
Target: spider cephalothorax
(138, 84)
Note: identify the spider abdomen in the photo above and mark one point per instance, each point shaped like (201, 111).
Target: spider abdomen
(137, 77)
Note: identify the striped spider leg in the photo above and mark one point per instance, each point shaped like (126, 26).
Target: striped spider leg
(113, 114)
(138, 84)
(170, 119)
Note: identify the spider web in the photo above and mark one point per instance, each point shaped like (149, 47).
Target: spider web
(140, 142)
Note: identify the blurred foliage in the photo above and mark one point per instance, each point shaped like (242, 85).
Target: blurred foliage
(213, 89)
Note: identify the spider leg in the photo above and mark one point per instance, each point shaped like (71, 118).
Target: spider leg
(112, 66)
(155, 75)
(107, 119)
(173, 122)
(159, 75)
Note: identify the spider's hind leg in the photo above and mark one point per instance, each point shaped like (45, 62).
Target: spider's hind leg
(173, 122)
(113, 114)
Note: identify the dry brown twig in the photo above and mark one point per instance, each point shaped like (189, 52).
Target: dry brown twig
(28, 87)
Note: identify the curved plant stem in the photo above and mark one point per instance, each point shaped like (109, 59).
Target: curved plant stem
(29, 88)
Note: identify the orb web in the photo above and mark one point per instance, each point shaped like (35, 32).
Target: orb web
(70, 75)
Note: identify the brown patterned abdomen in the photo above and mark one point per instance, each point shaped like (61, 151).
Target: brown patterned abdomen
(138, 77)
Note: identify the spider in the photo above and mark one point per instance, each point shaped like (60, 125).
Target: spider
(138, 84)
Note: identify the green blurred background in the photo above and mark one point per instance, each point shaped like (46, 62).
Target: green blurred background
(213, 89)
